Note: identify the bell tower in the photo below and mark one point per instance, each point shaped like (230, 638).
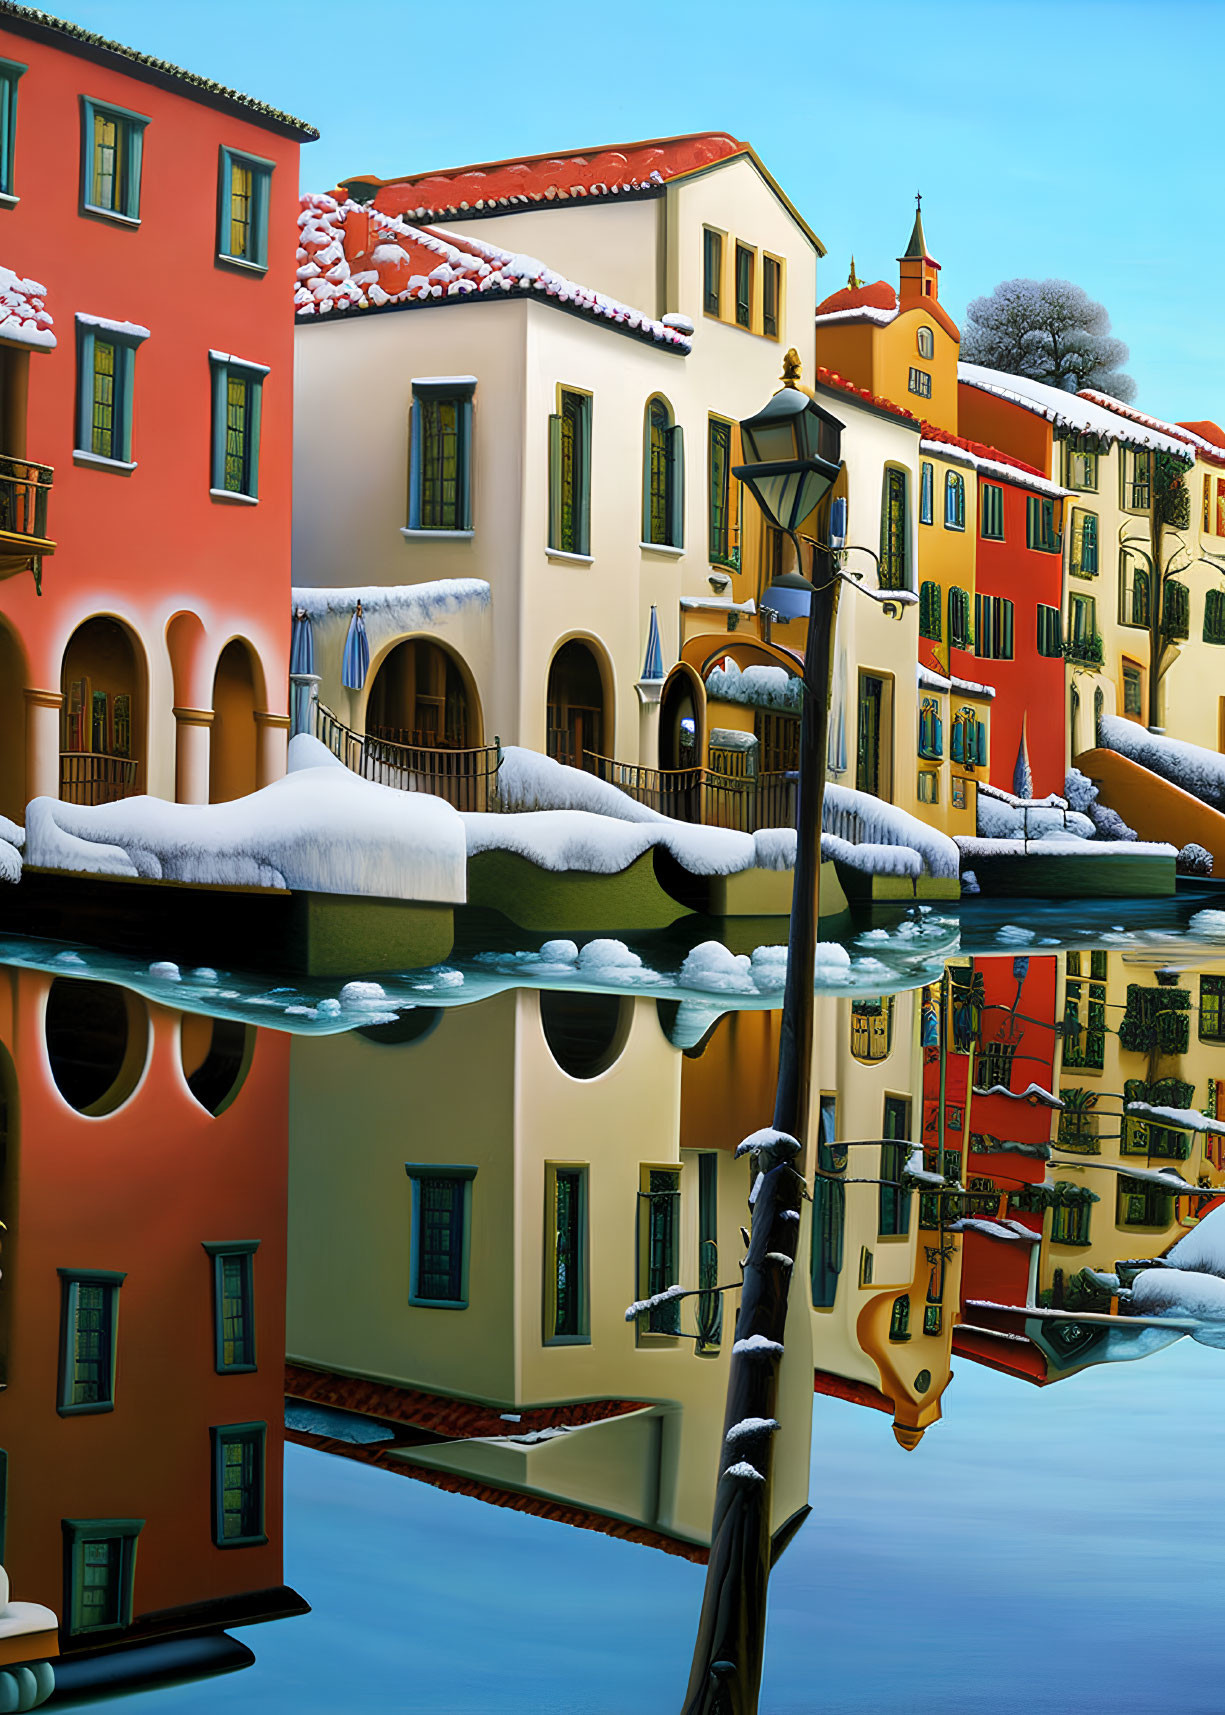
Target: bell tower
(919, 272)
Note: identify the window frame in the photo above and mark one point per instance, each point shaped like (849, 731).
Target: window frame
(261, 195)
(713, 241)
(582, 403)
(673, 464)
(1131, 568)
(125, 338)
(220, 1252)
(71, 1280)
(223, 368)
(667, 1313)
(927, 492)
(771, 319)
(1084, 536)
(77, 1532)
(1214, 605)
(925, 342)
(991, 512)
(1049, 631)
(428, 390)
(894, 573)
(954, 500)
(222, 1435)
(919, 382)
(994, 628)
(127, 211)
(1132, 673)
(962, 638)
(1218, 990)
(1040, 532)
(418, 1171)
(1090, 483)
(744, 257)
(549, 1333)
(11, 74)
(729, 556)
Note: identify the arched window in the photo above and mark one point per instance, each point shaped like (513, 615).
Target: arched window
(894, 553)
(969, 739)
(954, 501)
(663, 478)
(929, 610)
(1214, 616)
(931, 728)
(927, 343)
(960, 634)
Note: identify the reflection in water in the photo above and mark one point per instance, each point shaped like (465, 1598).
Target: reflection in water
(439, 1219)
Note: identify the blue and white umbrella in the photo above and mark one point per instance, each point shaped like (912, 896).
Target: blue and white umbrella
(653, 666)
(302, 643)
(357, 654)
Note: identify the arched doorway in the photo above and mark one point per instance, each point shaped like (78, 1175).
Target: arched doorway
(680, 726)
(13, 726)
(419, 696)
(575, 715)
(102, 722)
(232, 755)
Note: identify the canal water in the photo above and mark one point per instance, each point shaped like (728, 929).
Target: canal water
(315, 1296)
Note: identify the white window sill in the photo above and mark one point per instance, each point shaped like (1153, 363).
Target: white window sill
(436, 535)
(233, 495)
(569, 559)
(97, 462)
(7, 200)
(110, 214)
(242, 264)
(665, 550)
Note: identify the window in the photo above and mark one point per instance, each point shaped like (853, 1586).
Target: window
(112, 141)
(1084, 644)
(828, 1209)
(441, 1236)
(1040, 529)
(1136, 471)
(1050, 630)
(659, 1246)
(1212, 1009)
(872, 1028)
(565, 1255)
(10, 72)
(1143, 1204)
(931, 730)
(899, 1319)
(992, 523)
(954, 501)
(1082, 562)
(893, 1217)
(1134, 603)
(930, 599)
(239, 1458)
(771, 293)
(920, 382)
(723, 550)
(928, 788)
(243, 186)
(960, 635)
(969, 747)
(233, 1305)
(993, 633)
(106, 362)
(570, 474)
(237, 397)
(89, 1311)
(745, 261)
(710, 1301)
(1175, 610)
(926, 342)
(1214, 616)
(1084, 1013)
(893, 545)
(1081, 469)
(1070, 1222)
(1133, 690)
(712, 271)
(99, 1566)
(926, 486)
(440, 455)
(663, 488)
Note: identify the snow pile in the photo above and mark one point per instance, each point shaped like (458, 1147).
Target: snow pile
(1014, 1231)
(24, 317)
(1208, 924)
(749, 1427)
(1204, 1246)
(915, 1170)
(1187, 1119)
(756, 687)
(415, 264)
(1198, 771)
(1083, 796)
(1070, 410)
(862, 819)
(743, 1472)
(1004, 817)
(712, 967)
(12, 838)
(1049, 846)
(321, 828)
(757, 1346)
(529, 781)
(1035, 1093)
(1183, 1292)
(873, 859)
(1194, 859)
(562, 840)
(775, 848)
(608, 961)
(767, 1137)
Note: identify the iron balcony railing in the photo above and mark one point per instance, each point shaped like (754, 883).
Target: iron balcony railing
(87, 777)
(703, 795)
(467, 779)
(24, 491)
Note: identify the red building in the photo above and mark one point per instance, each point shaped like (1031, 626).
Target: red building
(146, 361)
(142, 1313)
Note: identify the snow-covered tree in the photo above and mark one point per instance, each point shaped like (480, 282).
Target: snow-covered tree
(1048, 330)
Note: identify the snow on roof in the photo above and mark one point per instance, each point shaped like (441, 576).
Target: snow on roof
(1035, 1093)
(24, 317)
(1186, 1118)
(404, 606)
(601, 172)
(1202, 445)
(939, 443)
(864, 313)
(1070, 411)
(353, 257)
(930, 681)
(830, 378)
(1203, 1247)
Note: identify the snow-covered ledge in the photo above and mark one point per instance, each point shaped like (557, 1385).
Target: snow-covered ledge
(663, 550)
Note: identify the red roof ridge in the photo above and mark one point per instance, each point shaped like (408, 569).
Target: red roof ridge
(878, 295)
(980, 449)
(1207, 430)
(831, 378)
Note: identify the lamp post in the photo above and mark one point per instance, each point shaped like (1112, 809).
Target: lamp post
(793, 449)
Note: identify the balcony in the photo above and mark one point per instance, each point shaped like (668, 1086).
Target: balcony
(89, 777)
(465, 778)
(24, 491)
(1085, 650)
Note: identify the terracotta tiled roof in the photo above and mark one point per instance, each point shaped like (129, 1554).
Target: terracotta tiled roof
(1207, 431)
(880, 295)
(606, 171)
(831, 378)
(355, 258)
(1206, 446)
(978, 448)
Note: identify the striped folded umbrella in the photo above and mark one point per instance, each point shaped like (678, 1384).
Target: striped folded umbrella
(302, 643)
(357, 654)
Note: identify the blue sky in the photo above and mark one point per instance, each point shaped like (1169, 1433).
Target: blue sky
(1074, 138)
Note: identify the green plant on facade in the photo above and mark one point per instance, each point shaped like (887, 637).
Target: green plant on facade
(1156, 1020)
(1078, 1123)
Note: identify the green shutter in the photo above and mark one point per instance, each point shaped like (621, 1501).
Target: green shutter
(583, 498)
(555, 480)
(261, 192)
(217, 453)
(648, 443)
(85, 387)
(134, 136)
(255, 401)
(676, 531)
(465, 471)
(415, 437)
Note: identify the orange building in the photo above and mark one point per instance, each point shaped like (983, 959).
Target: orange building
(146, 362)
(141, 1313)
